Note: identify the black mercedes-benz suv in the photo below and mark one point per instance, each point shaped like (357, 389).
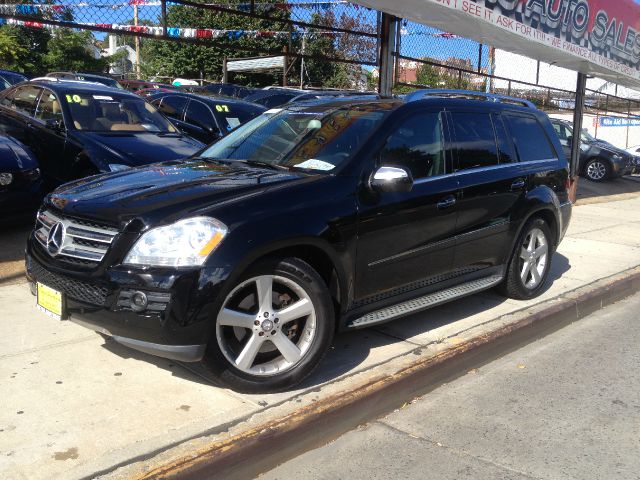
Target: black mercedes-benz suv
(325, 216)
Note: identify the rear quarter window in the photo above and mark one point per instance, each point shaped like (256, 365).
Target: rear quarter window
(529, 138)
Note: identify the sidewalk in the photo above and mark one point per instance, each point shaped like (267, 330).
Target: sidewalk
(75, 406)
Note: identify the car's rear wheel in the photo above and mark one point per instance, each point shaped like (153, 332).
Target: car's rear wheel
(530, 262)
(597, 170)
(272, 329)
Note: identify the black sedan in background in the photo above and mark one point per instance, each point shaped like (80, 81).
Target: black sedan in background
(77, 129)
(20, 182)
(9, 78)
(205, 118)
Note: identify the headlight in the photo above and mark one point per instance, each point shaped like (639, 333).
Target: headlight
(185, 243)
(6, 179)
(117, 167)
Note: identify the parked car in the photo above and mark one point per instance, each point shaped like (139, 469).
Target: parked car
(9, 78)
(635, 151)
(276, 97)
(20, 181)
(78, 128)
(147, 92)
(205, 118)
(599, 160)
(323, 216)
(229, 90)
(86, 77)
(136, 85)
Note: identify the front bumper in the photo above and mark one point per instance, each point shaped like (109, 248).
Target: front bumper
(178, 322)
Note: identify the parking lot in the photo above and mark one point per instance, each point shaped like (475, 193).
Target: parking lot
(76, 406)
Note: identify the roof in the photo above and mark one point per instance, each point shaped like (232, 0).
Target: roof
(63, 85)
(207, 98)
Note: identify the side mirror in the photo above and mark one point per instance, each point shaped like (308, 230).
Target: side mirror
(55, 124)
(392, 179)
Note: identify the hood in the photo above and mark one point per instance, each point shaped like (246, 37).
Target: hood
(165, 192)
(14, 156)
(139, 148)
(604, 145)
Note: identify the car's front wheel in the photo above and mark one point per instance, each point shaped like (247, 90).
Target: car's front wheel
(597, 170)
(272, 329)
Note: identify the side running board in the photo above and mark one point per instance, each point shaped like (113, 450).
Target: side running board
(428, 301)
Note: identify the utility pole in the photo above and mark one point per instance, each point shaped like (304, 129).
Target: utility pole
(389, 26)
(137, 39)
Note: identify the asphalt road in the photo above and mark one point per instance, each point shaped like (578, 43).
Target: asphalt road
(564, 407)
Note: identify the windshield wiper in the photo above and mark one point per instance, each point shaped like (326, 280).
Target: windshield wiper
(259, 163)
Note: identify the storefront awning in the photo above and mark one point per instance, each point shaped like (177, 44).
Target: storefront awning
(596, 37)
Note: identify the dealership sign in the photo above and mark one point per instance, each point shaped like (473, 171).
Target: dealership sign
(619, 122)
(593, 36)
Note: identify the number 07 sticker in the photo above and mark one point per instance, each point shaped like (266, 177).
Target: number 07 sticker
(222, 108)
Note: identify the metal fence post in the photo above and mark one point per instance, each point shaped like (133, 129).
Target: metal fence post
(578, 114)
(387, 47)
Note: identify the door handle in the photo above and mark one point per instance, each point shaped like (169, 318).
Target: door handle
(447, 202)
(518, 184)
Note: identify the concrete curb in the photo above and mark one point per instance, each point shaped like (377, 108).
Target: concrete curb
(247, 450)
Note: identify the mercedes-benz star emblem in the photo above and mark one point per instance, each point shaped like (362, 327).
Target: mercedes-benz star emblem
(55, 239)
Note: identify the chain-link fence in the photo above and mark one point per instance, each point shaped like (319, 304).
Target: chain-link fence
(190, 38)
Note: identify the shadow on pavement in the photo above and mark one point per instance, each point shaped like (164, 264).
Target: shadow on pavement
(588, 190)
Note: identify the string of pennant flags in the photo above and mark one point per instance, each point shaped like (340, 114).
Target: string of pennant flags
(35, 8)
(212, 33)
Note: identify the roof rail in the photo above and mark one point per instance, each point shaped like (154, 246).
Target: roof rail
(67, 80)
(491, 97)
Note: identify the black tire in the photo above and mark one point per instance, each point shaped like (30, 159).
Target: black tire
(228, 342)
(514, 286)
(597, 170)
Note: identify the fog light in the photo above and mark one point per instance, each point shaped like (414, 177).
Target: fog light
(139, 301)
(6, 179)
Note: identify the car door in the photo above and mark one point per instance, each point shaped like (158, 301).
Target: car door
(51, 139)
(405, 239)
(491, 181)
(17, 113)
(199, 122)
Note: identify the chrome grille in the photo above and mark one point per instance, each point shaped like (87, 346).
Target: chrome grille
(82, 240)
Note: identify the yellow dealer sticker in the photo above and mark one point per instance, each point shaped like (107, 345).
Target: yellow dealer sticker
(49, 301)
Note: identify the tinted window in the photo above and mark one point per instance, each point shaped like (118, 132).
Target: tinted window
(531, 142)
(25, 100)
(475, 140)
(416, 144)
(49, 107)
(230, 115)
(173, 106)
(505, 145)
(561, 131)
(199, 114)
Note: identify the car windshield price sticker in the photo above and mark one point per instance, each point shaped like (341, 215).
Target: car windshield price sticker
(50, 301)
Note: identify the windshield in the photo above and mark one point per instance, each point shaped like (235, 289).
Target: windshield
(314, 140)
(106, 113)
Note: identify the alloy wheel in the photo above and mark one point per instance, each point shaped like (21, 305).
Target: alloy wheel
(266, 326)
(534, 256)
(596, 170)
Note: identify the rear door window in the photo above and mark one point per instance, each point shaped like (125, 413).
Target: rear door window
(230, 115)
(530, 139)
(416, 144)
(173, 106)
(475, 140)
(26, 99)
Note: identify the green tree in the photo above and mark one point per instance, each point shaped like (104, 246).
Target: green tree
(70, 50)
(170, 59)
(14, 54)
